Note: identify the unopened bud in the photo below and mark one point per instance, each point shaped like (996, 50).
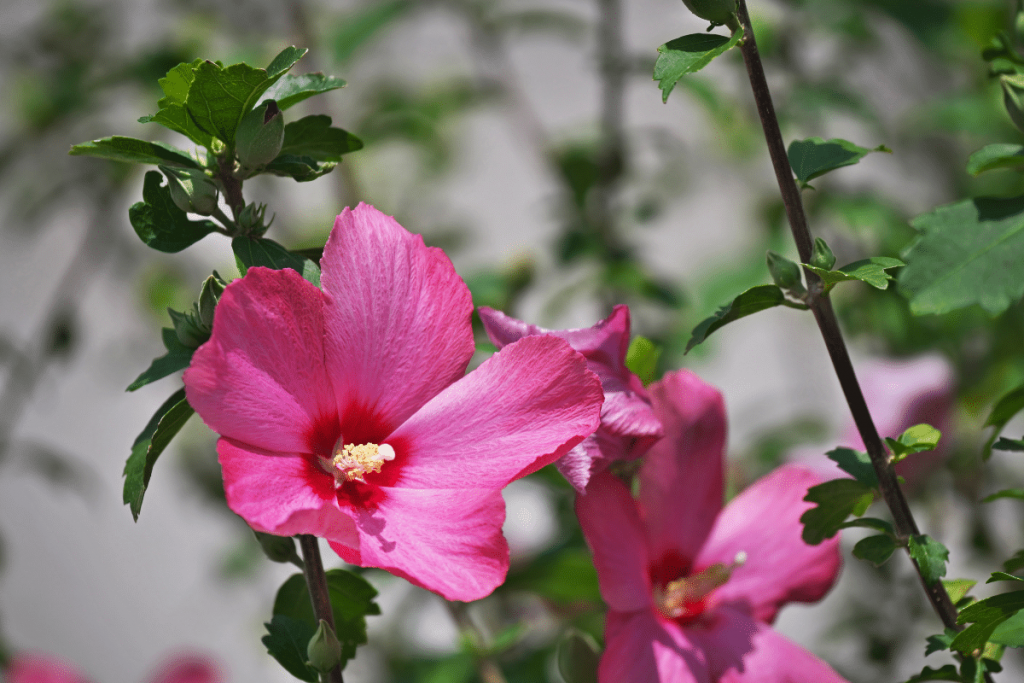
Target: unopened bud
(324, 650)
(822, 257)
(718, 12)
(785, 273)
(260, 136)
(191, 190)
(278, 548)
(1013, 98)
(213, 287)
(188, 328)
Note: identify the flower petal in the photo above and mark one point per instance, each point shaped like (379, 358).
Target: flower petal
(39, 668)
(261, 379)
(681, 481)
(282, 494)
(742, 650)
(520, 410)
(764, 522)
(188, 668)
(612, 527)
(448, 541)
(641, 648)
(397, 316)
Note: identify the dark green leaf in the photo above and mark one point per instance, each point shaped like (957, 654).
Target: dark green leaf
(958, 588)
(1015, 563)
(301, 169)
(162, 427)
(172, 113)
(578, 655)
(870, 523)
(178, 357)
(687, 55)
(160, 223)
(752, 301)
(815, 157)
(286, 641)
(1004, 444)
(834, 501)
(1002, 576)
(875, 549)
(642, 359)
(945, 673)
(259, 251)
(930, 556)
(565, 577)
(984, 616)
(119, 148)
(995, 156)
(178, 119)
(856, 464)
(916, 439)
(967, 253)
(939, 642)
(869, 270)
(313, 137)
(1005, 493)
(291, 90)
(1004, 411)
(1010, 633)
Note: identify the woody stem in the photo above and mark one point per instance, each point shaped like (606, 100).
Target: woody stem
(316, 581)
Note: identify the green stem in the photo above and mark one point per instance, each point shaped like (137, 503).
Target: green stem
(486, 667)
(316, 581)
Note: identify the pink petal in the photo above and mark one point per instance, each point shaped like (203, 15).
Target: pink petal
(282, 494)
(397, 317)
(742, 650)
(188, 668)
(640, 647)
(522, 409)
(39, 668)
(260, 379)
(448, 541)
(764, 522)
(610, 522)
(681, 481)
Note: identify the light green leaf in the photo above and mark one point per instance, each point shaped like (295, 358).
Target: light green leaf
(815, 157)
(160, 223)
(177, 118)
(875, 549)
(869, 270)
(642, 359)
(313, 137)
(752, 301)
(834, 501)
(1010, 633)
(162, 427)
(118, 148)
(291, 89)
(176, 83)
(357, 27)
(991, 157)
(967, 253)
(930, 555)
(286, 641)
(259, 251)
(1005, 493)
(1006, 409)
(957, 589)
(687, 55)
(916, 439)
(855, 463)
(939, 642)
(984, 616)
(177, 358)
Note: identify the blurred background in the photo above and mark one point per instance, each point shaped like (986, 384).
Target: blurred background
(526, 138)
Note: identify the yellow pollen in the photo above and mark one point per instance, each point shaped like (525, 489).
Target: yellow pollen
(673, 598)
(352, 461)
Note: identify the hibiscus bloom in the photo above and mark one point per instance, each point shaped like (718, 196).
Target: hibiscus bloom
(40, 668)
(347, 414)
(628, 425)
(692, 588)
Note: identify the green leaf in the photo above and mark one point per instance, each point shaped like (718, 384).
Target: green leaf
(875, 549)
(916, 439)
(642, 359)
(1005, 409)
(301, 169)
(260, 251)
(869, 270)
(1015, 563)
(351, 602)
(1002, 576)
(567, 576)
(177, 358)
(752, 301)
(870, 523)
(291, 89)
(578, 655)
(945, 673)
(286, 641)
(687, 55)
(360, 25)
(991, 157)
(855, 463)
(1004, 444)
(958, 588)
(930, 556)
(313, 137)
(815, 157)
(939, 642)
(162, 427)
(1005, 493)
(967, 253)
(1009, 633)
(984, 616)
(118, 148)
(160, 223)
(177, 118)
(834, 501)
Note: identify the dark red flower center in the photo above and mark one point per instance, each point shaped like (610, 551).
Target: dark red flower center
(681, 593)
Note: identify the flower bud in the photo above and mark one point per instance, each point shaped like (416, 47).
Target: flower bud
(822, 257)
(259, 136)
(191, 190)
(718, 12)
(324, 650)
(188, 328)
(1013, 98)
(278, 548)
(213, 287)
(785, 273)
(250, 220)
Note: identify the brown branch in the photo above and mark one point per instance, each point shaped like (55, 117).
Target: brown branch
(316, 581)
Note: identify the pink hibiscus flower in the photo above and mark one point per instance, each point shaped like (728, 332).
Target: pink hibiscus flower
(346, 413)
(39, 668)
(628, 425)
(693, 588)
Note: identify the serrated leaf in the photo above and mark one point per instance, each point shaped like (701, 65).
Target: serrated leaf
(1010, 633)
(939, 642)
(815, 157)
(930, 555)
(160, 223)
(578, 655)
(291, 89)
(1004, 444)
(176, 83)
(855, 463)
(300, 169)
(1006, 409)
(1005, 493)
(162, 427)
(991, 157)
(968, 253)
(313, 137)
(916, 439)
(260, 251)
(177, 118)
(984, 616)
(958, 588)
(870, 270)
(131, 150)
(752, 301)
(642, 359)
(286, 641)
(875, 549)
(945, 673)
(687, 55)
(177, 358)
(834, 501)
